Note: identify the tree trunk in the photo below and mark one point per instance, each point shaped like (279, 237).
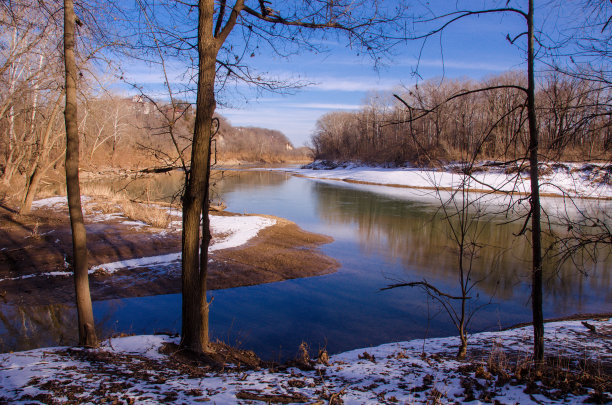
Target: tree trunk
(39, 164)
(195, 200)
(206, 237)
(87, 333)
(32, 187)
(536, 231)
(461, 354)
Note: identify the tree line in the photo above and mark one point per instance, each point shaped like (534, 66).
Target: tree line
(116, 132)
(441, 126)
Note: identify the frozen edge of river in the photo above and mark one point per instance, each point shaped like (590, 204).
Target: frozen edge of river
(557, 182)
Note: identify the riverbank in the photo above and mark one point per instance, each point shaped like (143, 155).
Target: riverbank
(142, 370)
(131, 258)
(582, 180)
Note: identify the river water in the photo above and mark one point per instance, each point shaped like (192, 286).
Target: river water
(381, 236)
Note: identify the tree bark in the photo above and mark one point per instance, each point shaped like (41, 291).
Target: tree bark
(195, 200)
(87, 333)
(536, 231)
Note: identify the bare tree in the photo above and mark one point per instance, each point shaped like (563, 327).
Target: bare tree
(27, 73)
(42, 160)
(524, 121)
(534, 215)
(285, 28)
(461, 210)
(87, 332)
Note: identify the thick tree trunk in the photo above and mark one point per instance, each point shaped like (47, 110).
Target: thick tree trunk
(536, 231)
(32, 188)
(87, 333)
(195, 200)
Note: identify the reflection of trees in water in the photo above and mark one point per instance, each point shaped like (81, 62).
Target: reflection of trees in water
(232, 180)
(168, 186)
(29, 327)
(152, 187)
(414, 234)
(157, 187)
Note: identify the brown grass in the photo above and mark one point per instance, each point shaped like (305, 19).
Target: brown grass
(98, 190)
(280, 252)
(559, 376)
(147, 213)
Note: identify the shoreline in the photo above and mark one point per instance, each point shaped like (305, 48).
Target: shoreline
(124, 255)
(449, 189)
(141, 369)
(587, 182)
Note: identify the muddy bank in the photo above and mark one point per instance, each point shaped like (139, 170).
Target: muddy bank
(35, 252)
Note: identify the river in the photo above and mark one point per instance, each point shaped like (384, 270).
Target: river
(381, 237)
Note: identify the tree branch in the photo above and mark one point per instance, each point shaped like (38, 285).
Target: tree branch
(426, 285)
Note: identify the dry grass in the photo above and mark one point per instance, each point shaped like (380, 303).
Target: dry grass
(99, 190)
(559, 376)
(147, 213)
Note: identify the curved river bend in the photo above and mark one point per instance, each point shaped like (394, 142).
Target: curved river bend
(381, 236)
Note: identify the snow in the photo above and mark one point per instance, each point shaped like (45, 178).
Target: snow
(235, 231)
(228, 232)
(50, 202)
(143, 345)
(47, 274)
(567, 179)
(404, 372)
(109, 268)
(55, 202)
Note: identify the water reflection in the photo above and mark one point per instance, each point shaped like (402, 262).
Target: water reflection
(167, 187)
(35, 326)
(418, 235)
(380, 237)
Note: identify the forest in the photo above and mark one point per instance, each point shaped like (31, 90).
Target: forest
(450, 121)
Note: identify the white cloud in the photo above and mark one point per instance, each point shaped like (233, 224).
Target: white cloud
(143, 73)
(455, 64)
(362, 84)
(450, 63)
(324, 106)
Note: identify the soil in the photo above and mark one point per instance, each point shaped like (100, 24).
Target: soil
(31, 245)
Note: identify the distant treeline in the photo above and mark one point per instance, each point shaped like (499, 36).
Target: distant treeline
(452, 121)
(120, 132)
(156, 133)
(253, 144)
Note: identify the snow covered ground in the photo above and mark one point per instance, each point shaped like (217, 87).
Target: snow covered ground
(570, 179)
(232, 231)
(131, 370)
(228, 232)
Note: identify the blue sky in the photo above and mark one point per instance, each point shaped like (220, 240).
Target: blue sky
(342, 80)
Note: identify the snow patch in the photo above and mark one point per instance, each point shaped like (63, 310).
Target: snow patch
(588, 180)
(416, 371)
(234, 231)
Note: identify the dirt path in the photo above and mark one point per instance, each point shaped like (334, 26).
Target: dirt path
(34, 250)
